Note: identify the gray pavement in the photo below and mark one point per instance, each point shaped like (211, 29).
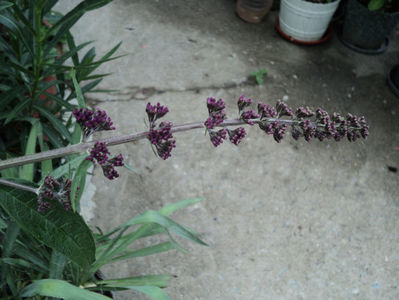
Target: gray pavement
(294, 220)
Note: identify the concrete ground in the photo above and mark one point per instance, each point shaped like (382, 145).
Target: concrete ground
(294, 220)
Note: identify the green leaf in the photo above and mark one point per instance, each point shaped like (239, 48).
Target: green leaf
(81, 100)
(71, 45)
(58, 229)
(52, 136)
(152, 216)
(20, 263)
(154, 292)
(17, 109)
(60, 289)
(162, 247)
(57, 123)
(130, 168)
(376, 4)
(8, 243)
(91, 85)
(67, 21)
(60, 101)
(76, 134)
(47, 165)
(170, 208)
(10, 22)
(150, 280)
(57, 264)
(71, 53)
(78, 182)
(27, 170)
(5, 4)
(65, 168)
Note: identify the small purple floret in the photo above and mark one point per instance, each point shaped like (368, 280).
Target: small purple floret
(155, 112)
(215, 106)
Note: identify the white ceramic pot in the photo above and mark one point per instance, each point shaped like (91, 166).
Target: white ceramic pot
(306, 21)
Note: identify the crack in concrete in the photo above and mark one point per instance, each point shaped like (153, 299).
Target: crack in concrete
(138, 93)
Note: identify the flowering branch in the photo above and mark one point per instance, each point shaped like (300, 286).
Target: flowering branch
(303, 122)
(111, 141)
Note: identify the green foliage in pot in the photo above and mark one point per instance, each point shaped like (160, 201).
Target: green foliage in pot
(381, 5)
(37, 51)
(321, 1)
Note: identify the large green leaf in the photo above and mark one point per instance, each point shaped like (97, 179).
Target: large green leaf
(60, 289)
(58, 229)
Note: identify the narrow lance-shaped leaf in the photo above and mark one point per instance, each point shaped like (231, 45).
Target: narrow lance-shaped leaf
(78, 91)
(27, 170)
(78, 184)
(55, 122)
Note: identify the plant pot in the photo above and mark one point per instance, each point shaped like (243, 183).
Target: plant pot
(253, 11)
(306, 21)
(393, 80)
(365, 29)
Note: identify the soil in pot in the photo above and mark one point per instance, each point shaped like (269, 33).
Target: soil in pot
(367, 29)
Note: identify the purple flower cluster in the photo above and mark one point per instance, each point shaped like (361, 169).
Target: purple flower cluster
(155, 112)
(243, 103)
(162, 139)
(217, 112)
(275, 128)
(283, 109)
(160, 136)
(266, 111)
(100, 154)
(304, 122)
(217, 137)
(237, 135)
(310, 124)
(53, 189)
(91, 121)
(248, 116)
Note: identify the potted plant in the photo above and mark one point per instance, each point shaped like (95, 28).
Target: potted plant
(305, 21)
(393, 79)
(253, 11)
(368, 24)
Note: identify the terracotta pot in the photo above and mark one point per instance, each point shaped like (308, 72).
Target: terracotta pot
(253, 11)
